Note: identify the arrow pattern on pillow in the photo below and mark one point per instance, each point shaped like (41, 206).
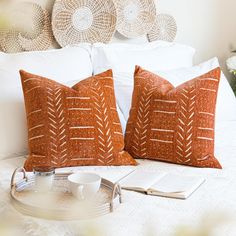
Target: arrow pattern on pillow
(104, 139)
(173, 124)
(185, 124)
(139, 142)
(57, 125)
(73, 126)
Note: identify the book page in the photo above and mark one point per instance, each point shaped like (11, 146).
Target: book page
(171, 183)
(140, 179)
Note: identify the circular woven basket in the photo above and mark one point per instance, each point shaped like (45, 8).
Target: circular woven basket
(135, 17)
(34, 34)
(165, 28)
(76, 21)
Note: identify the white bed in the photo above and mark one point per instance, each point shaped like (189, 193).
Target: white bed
(139, 214)
(147, 215)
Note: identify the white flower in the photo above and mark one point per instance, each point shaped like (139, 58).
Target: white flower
(231, 63)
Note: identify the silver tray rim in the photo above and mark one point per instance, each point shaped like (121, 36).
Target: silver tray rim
(61, 214)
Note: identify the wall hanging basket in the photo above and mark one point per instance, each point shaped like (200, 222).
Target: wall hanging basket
(34, 34)
(165, 28)
(76, 21)
(135, 17)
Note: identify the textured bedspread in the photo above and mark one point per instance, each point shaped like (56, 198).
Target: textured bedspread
(148, 215)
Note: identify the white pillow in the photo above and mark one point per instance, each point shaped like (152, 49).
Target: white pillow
(122, 58)
(226, 102)
(159, 55)
(62, 65)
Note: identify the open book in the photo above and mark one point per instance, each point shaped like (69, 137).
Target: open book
(161, 183)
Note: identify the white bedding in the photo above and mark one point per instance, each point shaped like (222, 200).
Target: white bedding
(147, 215)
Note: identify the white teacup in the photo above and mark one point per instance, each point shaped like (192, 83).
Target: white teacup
(84, 185)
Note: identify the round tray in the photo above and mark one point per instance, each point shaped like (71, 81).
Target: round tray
(59, 203)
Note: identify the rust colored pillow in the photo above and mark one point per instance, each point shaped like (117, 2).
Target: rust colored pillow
(173, 124)
(73, 126)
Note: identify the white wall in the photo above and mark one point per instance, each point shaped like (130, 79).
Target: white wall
(207, 25)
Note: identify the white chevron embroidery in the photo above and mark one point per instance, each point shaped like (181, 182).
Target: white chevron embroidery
(210, 90)
(203, 158)
(165, 101)
(80, 98)
(105, 142)
(185, 125)
(33, 112)
(57, 125)
(79, 109)
(166, 112)
(208, 129)
(40, 156)
(119, 133)
(30, 90)
(116, 123)
(142, 124)
(35, 127)
(206, 113)
(82, 127)
(161, 141)
(81, 138)
(205, 138)
(30, 79)
(163, 130)
(107, 86)
(36, 137)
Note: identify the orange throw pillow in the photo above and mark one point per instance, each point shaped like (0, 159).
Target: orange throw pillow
(73, 126)
(173, 124)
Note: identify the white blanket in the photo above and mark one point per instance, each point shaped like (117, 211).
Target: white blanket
(147, 215)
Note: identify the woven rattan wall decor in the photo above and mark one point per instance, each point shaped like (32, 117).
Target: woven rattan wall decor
(165, 28)
(36, 36)
(135, 17)
(76, 21)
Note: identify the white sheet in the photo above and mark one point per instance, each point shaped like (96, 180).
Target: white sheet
(141, 214)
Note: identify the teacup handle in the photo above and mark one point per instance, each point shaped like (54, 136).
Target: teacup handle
(80, 192)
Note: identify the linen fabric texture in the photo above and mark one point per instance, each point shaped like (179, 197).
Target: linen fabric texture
(73, 126)
(173, 124)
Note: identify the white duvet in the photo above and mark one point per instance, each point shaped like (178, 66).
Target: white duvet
(140, 214)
